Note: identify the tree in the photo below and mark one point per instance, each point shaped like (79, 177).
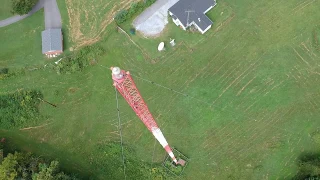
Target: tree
(27, 166)
(50, 172)
(22, 6)
(8, 167)
(309, 167)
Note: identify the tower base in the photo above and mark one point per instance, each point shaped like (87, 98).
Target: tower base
(174, 168)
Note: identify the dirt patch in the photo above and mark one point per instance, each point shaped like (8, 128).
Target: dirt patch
(72, 90)
(89, 19)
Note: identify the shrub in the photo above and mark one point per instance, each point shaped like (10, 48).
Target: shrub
(4, 71)
(149, 2)
(22, 6)
(19, 108)
(135, 8)
(132, 31)
(121, 16)
(79, 60)
(28, 166)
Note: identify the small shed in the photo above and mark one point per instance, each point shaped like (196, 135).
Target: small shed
(52, 42)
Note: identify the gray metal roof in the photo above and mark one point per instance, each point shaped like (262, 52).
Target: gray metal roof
(188, 11)
(51, 40)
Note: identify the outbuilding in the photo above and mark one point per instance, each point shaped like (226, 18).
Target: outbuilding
(52, 42)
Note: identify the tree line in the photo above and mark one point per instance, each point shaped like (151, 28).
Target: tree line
(20, 165)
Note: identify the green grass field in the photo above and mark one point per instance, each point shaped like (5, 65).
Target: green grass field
(21, 43)
(252, 80)
(5, 9)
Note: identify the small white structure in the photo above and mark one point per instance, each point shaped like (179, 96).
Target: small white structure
(172, 42)
(161, 46)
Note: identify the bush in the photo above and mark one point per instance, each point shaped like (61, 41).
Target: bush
(135, 8)
(19, 108)
(111, 161)
(132, 31)
(4, 71)
(309, 167)
(149, 2)
(28, 166)
(22, 6)
(121, 16)
(79, 60)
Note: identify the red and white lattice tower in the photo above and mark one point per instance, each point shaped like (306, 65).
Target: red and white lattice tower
(125, 85)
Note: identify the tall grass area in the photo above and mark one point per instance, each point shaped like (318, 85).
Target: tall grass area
(248, 106)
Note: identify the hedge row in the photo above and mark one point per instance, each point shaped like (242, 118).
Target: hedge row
(135, 8)
(78, 60)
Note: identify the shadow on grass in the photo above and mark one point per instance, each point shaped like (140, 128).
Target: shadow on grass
(309, 166)
(70, 163)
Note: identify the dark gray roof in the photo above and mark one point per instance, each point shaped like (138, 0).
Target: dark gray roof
(188, 11)
(51, 40)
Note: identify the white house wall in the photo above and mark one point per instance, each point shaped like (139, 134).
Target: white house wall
(206, 29)
(210, 8)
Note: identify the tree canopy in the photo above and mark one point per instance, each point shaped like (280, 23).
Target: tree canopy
(22, 6)
(27, 166)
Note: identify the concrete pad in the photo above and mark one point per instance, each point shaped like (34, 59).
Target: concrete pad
(153, 20)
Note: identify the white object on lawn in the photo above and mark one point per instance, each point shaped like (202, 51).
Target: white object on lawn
(161, 46)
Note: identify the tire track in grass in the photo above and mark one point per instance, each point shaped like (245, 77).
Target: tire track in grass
(235, 85)
(247, 131)
(272, 127)
(236, 79)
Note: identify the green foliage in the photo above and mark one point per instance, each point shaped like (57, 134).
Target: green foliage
(8, 167)
(4, 71)
(135, 8)
(19, 108)
(22, 6)
(27, 166)
(121, 16)
(111, 162)
(149, 2)
(309, 167)
(132, 31)
(79, 60)
(51, 172)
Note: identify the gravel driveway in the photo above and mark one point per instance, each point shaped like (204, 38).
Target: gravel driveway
(17, 18)
(153, 20)
(52, 17)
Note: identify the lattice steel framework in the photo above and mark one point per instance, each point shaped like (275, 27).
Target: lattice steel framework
(125, 85)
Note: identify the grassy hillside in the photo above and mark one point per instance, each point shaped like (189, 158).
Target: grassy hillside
(253, 96)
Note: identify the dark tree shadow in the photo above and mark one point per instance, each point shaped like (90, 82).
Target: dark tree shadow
(309, 166)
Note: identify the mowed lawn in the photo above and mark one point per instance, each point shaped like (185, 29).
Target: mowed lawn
(21, 42)
(253, 96)
(5, 9)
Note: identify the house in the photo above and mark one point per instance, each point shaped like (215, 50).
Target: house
(52, 42)
(186, 13)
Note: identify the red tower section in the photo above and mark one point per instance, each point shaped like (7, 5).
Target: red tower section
(125, 85)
